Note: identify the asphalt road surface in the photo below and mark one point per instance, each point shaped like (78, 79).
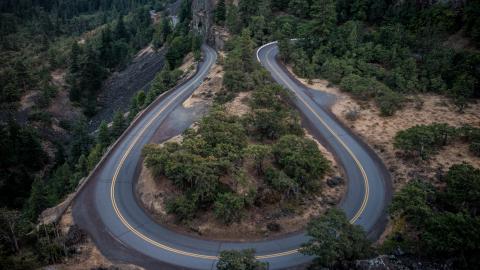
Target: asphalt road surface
(108, 209)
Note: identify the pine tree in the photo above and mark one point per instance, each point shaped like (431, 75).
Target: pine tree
(324, 17)
(37, 201)
(120, 30)
(74, 55)
(103, 135)
(106, 48)
(220, 12)
(118, 124)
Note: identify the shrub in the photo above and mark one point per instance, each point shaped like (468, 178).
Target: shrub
(388, 102)
(280, 182)
(334, 240)
(240, 260)
(475, 148)
(183, 207)
(228, 207)
(424, 140)
(301, 160)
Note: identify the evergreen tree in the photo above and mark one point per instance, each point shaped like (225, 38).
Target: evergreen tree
(220, 12)
(103, 135)
(106, 57)
(299, 8)
(118, 124)
(74, 58)
(334, 240)
(324, 17)
(120, 30)
(185, 14)
(91, 75)
(37, 201)
(232, 20)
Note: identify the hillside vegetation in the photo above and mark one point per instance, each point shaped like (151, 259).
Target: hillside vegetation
(43, 158)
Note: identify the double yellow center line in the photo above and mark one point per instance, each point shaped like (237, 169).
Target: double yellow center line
(210, 257)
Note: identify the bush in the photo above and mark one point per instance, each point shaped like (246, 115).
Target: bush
(301, 160)
(183, 207)
(388, 102)
(334, 241)
(280, 182)
(239, 260)
(228, 207)
(475, 148)
(424, 140)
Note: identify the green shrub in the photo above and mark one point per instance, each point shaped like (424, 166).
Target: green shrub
(228, 207)
(183, 207)
(280, 182)
(424, 140)
(388, 102)
(474, 147)
(301, 160)
(239, 260)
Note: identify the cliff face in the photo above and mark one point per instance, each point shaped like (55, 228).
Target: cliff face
(202, 19)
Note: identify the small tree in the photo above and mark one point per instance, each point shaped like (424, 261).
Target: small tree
(220, 12)
(103, 135)
(259, 153)
(334, 240)
(228, 207)
(118, 124)
(240, 260)
(301, 160)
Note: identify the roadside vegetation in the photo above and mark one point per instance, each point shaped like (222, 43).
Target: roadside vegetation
(382, 50)
(425, 140)
(439, 222)
(387, 52)
(213, 164)
(90, 42)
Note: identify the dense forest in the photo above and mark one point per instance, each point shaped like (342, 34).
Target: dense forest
(374, 49)
(89, 40)
(381, 50)
(386, 51)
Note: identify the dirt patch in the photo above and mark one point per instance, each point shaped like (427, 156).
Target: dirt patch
(379, 131)
(61, 107)
(188, 63)
(239, 105)
(205, 93)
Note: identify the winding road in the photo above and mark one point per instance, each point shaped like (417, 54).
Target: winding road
(108, 210)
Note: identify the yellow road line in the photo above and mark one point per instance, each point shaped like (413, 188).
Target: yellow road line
(357, 162)
(209, 257)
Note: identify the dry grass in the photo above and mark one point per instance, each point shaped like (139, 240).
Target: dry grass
(379, 131)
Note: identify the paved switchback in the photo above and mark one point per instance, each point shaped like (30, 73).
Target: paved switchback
(108, 209)
(369, 186)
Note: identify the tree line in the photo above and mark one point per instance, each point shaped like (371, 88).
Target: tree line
(31, 179)
(374, 49)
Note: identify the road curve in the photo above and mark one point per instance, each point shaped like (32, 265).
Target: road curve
(369, 185)
(108, 210)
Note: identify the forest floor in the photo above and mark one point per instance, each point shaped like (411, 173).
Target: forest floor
(291, 217)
